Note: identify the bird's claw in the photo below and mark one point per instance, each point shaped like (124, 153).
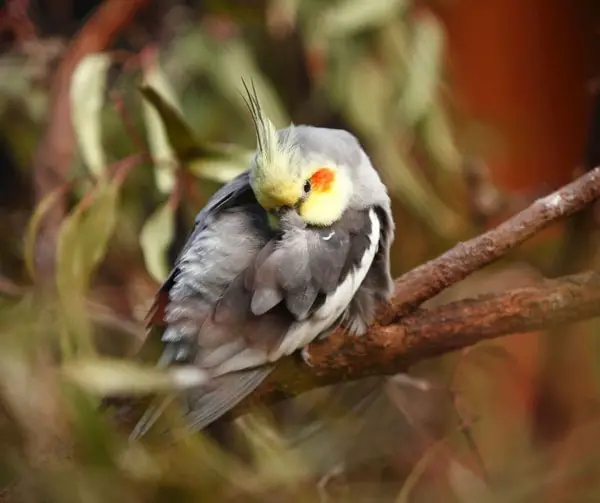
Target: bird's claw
(306, 356)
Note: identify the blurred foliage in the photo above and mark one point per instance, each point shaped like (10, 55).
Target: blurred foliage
(160, 124)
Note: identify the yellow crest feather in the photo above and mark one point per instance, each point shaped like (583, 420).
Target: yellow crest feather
(274, 169)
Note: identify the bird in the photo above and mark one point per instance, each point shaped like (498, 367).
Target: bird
(283, 254)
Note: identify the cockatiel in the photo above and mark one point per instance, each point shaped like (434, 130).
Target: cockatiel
(284, 253)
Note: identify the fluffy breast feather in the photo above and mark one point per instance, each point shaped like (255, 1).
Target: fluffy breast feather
(242, 295)
(337, 300)
(310, 273)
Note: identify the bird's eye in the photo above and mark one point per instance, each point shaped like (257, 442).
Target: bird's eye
(307, 187)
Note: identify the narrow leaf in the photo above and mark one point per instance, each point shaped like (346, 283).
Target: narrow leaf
(424, 67)
(98, 225)
(439, 141)
(418, 470)
(82, 243)
(107, 376)
(155, 239)
(71, 284)
(33, 227)
(88, 86)
(351, 16)
(274, 460)
(226, 65)
(218, 163)
(161, 150)
(224, 166)
(367, 112)
(179, 134)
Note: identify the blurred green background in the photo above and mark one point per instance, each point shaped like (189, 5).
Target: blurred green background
(120, 118)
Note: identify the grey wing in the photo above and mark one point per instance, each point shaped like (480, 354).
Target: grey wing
(377, 285)
(203, 407)
(303, 266)
(237, 289)
(228, 235)
(236, 191)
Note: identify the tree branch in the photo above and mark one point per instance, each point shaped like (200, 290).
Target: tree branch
(387, 350)
(431, 278)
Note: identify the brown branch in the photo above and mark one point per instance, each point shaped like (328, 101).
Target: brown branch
(55, 151)
(387, 350)
(16, 20)
(429, 279)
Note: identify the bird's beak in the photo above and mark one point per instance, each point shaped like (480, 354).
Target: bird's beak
(289, 217)
(282, 211)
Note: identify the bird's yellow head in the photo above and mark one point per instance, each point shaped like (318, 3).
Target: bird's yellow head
(287, 174)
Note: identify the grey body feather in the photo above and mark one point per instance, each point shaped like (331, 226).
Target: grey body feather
(238, 286)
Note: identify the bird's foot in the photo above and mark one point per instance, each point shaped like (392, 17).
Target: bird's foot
(304, 353)
(355, 326)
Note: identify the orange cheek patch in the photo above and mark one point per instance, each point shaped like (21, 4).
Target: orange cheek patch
(322, 179)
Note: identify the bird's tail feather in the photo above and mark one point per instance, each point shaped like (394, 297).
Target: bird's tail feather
(153, 412)
(205, 406)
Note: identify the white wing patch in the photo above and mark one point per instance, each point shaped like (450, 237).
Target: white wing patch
(303, 332)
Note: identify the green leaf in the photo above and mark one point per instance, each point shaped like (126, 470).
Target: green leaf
(108, 376)
(424, 67)
(17, 85)
(226, 165)
(217, 171)
(179, 135)
(367, 112)
(439, 141)
(82, 242)
(352, 16)
(274, 461)
(155, 238)
(225, 63)
(234, 62)
(215, 162)
(98, 225)
(88, 87)
(162, 151)
(33, 227)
